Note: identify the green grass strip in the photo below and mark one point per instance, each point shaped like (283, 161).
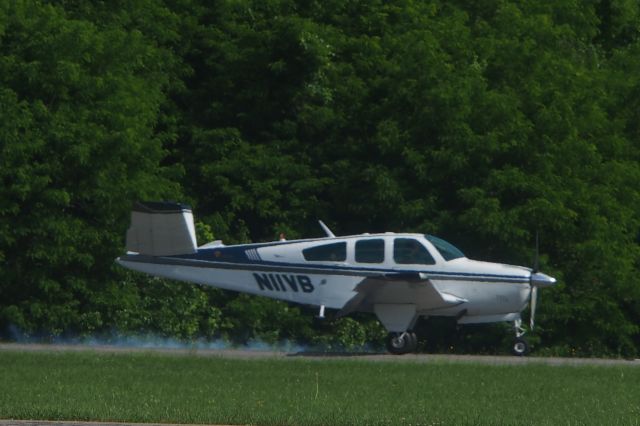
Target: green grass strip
(151, 387)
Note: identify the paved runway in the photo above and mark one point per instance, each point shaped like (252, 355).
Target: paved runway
(373, 357)
(68, 423)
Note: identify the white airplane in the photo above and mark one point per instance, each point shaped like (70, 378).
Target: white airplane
(399, 277)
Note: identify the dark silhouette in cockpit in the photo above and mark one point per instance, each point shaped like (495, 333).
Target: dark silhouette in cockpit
(410, 251)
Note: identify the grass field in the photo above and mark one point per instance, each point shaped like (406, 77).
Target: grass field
(151, 387)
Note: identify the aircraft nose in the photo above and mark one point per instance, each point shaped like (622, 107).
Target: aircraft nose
(539, 279)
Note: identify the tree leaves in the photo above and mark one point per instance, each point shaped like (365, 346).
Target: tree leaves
(484, 123)
(81, 146)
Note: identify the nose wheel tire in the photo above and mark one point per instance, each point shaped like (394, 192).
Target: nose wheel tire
(402, 343)
(520, 347)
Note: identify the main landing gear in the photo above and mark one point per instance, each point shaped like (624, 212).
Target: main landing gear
(399, 343)
(520, 344)
(402, 343)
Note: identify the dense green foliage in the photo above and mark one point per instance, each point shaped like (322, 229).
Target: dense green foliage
(145, 387)
(482, 122)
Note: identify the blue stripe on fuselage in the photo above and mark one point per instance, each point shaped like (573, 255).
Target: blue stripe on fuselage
(237, 255)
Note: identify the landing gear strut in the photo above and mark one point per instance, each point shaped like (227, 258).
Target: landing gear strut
(402, 343)
(520, 344)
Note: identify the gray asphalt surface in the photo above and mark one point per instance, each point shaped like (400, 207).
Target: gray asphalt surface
(373, 357)
(68, 423)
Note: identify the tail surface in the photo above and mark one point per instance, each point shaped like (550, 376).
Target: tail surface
(161, 229)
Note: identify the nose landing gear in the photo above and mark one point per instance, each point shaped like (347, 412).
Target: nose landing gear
(520, 345)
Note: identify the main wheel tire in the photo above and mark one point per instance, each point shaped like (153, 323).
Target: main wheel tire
(520, 347)
(401, 343)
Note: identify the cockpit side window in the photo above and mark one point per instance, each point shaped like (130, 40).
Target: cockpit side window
(335, 252)
(409, 251)
(370, 251)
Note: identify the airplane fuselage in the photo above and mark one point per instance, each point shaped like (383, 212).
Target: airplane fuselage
(289, 270)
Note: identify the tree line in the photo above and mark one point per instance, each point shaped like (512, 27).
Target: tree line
(481, 122)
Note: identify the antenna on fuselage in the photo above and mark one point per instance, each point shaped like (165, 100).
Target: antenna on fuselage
(326, 229)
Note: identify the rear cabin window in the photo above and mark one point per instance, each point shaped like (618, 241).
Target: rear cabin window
(408, 251)
(370, 251)
(336, 252)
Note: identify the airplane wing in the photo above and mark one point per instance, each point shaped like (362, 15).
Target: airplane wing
(402, 287)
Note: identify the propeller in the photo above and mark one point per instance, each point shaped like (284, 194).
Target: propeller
(534, 288)
(537, 279)
(534, 301)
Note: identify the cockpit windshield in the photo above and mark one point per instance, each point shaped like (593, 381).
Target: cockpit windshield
(447, 250)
